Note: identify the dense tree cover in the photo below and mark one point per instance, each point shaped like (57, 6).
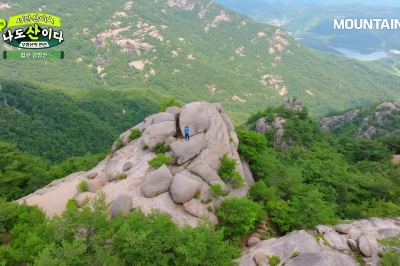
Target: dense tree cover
(21, 173)
(56, 123)
(87, 237)
(320, 178)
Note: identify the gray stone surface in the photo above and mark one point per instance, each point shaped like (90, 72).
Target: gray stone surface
(162, 117)
(364, 246)
(92, 175)
(183, 188)
(313, 259)
(127, 166)
(253, 241)
(95, 185)
(169, 140)
(173, 110)
(194, 115)
(321, 229)
(353, 244)
(158, 133)
(123, 203)
(343, 228)
(196, 208)
(157, 182)
(262, 126)
(184, 151)
(336, 241)
(388, 232)
(205, 171)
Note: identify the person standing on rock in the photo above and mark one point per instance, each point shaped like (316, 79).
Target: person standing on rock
(186, 130)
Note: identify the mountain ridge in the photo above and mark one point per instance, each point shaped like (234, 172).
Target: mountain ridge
(198, 50)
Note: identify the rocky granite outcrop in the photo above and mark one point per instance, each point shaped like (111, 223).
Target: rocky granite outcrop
(327, 245)
(181, 188)
(378, 121)
(277, 125)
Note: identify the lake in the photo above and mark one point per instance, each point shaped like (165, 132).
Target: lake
(363, 57)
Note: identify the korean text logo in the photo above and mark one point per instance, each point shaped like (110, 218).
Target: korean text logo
(30, 35)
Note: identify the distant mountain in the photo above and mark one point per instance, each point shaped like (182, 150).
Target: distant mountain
(195, 50)
(333, 2)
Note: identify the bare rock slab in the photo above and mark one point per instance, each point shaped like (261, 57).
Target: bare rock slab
(196, 208)
(159, 133)
(205, 172)
(157, 182)
(183, 188)
(336, 241)
(184, 151)
(123, 203)
(364, 246)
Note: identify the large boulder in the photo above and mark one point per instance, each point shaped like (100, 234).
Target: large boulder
(196, 116)
(336, 241)
(156, 182)
(127, 166)
(173, 110)
(92, 175)
(123, 203)
(162, 117)
(205, 172)
(159, 133)
(95, 185)
(196, 208)
(343, 228)
(184, 151)
(262, 126)
(169, 141)
(183, 188)
(322, 229)
(364, 246)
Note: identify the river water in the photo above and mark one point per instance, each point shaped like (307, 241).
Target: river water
(363, 57)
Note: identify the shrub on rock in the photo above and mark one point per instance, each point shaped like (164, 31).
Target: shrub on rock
(159, 160)
(135, 133)
(82, 186)
(239, 216)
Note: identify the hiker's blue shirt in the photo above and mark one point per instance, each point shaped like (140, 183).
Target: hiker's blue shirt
(186, 130)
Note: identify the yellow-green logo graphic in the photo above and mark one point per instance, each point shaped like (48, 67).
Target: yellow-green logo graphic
(29, 34)
(3, 24)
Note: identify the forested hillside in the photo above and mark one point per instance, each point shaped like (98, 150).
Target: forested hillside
(196, 50)
(56, 123)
